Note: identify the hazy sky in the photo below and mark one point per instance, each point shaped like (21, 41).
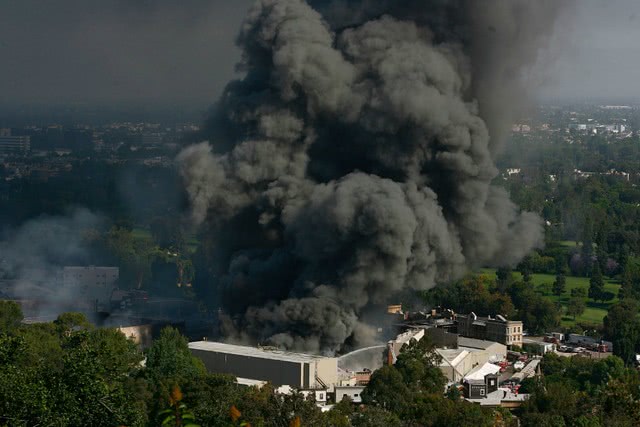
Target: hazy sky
(181, 52)
(600, 56)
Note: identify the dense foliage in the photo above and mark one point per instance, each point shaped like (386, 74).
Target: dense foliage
(484, 296)
(68, 373)
(580, 392)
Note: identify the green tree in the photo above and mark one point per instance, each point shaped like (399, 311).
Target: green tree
(622, 327)
(10, 315)
(387, 389)
(540, 315)
(134, 255)
(596, 283)
(169, 359)
(371, 416)
(576, 307)
(504, 278)
(559, 284)
(578, 293)
(72, 321)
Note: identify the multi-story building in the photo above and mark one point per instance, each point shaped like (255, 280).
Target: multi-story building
(498, 329)
(91, 283)
(91, 276)
(12, 144)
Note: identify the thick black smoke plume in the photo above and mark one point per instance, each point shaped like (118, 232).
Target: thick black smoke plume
(354, 161)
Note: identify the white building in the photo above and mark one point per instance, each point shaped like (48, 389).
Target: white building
(353, 392)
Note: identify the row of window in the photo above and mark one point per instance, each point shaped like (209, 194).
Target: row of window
(514, 338)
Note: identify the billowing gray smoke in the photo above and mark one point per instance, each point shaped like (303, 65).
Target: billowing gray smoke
(33, 255)
(354, 162)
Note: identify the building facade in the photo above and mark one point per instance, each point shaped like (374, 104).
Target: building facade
(91, 276)
(299, 371)
(12, 144)
(91, 283)
(498, 329)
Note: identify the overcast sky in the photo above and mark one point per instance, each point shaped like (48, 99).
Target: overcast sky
(600, 56)
(182, 52)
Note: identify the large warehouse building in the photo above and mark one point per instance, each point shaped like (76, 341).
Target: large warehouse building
(300, 371)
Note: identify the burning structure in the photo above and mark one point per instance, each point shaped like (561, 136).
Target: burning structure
(354, 160)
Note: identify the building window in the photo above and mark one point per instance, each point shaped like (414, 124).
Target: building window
(321, 396)
(356, 395)
(481, 392)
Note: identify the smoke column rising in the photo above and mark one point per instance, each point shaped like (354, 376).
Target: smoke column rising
(354, 161)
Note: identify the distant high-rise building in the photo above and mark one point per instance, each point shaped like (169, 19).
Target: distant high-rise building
(10, 144)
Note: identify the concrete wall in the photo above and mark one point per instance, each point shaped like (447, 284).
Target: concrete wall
(327, 370)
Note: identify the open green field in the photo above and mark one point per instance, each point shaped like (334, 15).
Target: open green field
(595, 311)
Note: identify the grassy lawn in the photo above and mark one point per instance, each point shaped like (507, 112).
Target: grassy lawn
(191, 240)
(141, 233)
(594, 312)
(568, 243)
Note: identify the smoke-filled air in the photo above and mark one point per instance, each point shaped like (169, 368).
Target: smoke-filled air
(354, 160)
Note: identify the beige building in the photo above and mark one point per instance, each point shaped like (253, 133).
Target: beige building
(469, 355)
(498, 329)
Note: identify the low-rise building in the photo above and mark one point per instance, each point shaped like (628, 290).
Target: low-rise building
(482, 381)
(297, 370)
(470, 354)
(353, 392)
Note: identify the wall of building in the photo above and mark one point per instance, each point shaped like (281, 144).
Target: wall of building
(472, 361)
(354, 393)
(441, 338)
(502, 331)
(327, 370)
(277, 372)
(496, 351)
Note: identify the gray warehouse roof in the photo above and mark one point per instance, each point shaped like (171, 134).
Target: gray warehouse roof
(242, 350)
(475, 343)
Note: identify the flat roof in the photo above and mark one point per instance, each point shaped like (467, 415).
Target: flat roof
(250, 382)
(242, 350)
(501, 395)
